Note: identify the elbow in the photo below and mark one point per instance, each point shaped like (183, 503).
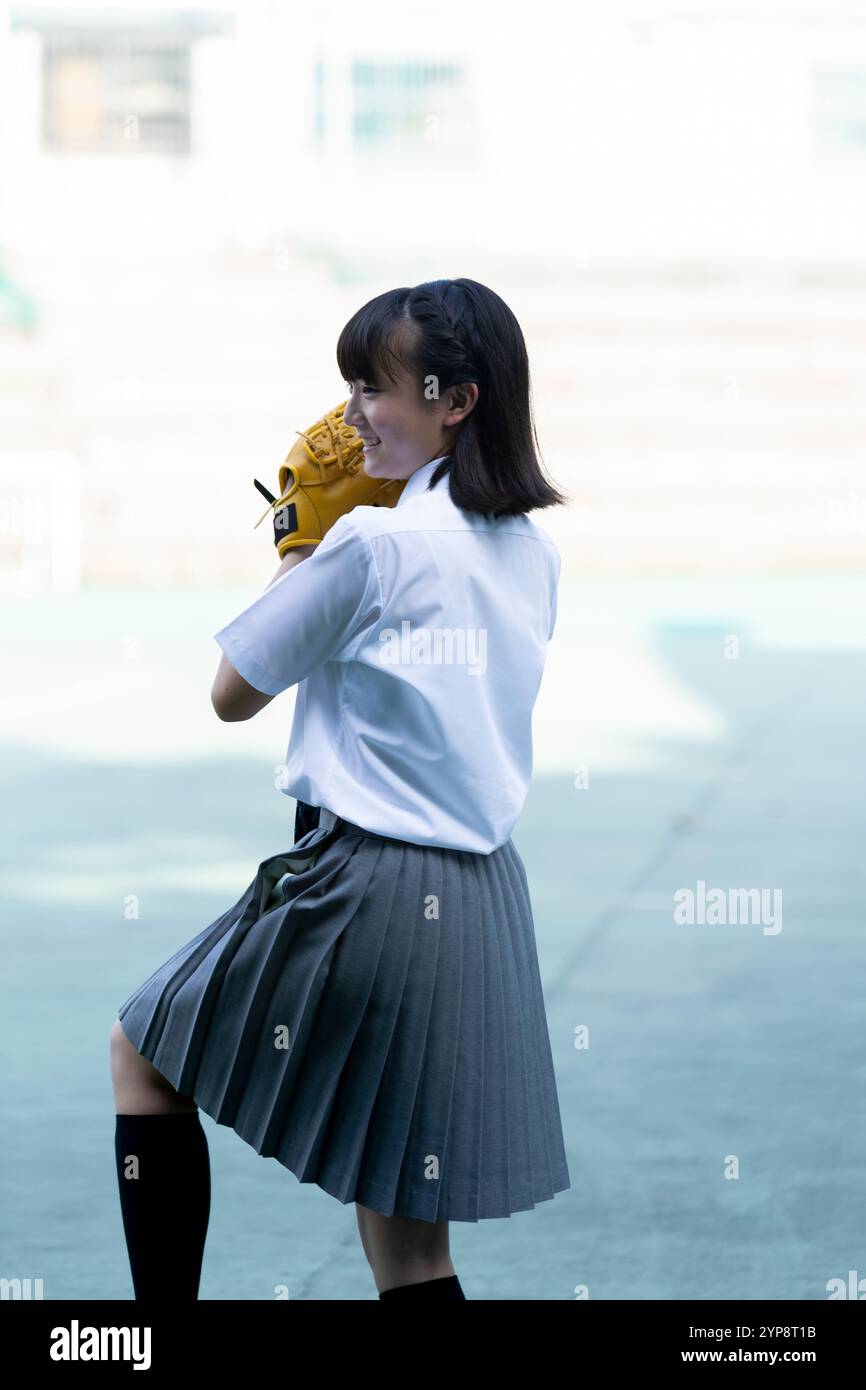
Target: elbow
(234, 699)
(224, 708)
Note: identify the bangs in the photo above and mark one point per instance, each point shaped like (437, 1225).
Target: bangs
(374, 340)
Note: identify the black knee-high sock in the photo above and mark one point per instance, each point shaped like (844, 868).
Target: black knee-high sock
(448, 1288)
(164, 1200)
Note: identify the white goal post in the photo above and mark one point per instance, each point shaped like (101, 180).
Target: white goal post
(40, 523)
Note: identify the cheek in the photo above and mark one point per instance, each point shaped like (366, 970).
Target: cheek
(401, 424)
(389, 421)
(382, 420)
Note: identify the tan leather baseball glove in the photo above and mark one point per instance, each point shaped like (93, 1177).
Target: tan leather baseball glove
(323, 478)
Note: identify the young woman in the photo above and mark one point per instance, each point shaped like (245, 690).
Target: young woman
(370, 1011)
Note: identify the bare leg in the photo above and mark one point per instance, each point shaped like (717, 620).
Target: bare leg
(402, 1251)
(139, 1089)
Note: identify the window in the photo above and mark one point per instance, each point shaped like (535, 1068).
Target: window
(394, 108)
(109, 93)
(840, 112)
(396, 104)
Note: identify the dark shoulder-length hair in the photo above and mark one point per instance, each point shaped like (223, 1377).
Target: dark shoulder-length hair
(448, 332)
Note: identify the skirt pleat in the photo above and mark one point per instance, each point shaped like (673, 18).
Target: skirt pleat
(370, 1013)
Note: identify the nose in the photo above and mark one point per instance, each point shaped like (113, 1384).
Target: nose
(350, 414)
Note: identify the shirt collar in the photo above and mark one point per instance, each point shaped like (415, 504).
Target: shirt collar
(418, 481)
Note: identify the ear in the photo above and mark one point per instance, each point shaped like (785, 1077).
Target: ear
(461, 401)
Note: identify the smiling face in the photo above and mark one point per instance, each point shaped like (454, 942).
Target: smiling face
(401, 429)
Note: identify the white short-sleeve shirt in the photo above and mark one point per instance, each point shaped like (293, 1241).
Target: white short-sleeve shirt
(417, 637)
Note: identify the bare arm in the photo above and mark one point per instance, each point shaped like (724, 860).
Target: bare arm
(294, 557)
(232, 697)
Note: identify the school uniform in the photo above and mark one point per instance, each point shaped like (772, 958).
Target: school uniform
(370, 1011)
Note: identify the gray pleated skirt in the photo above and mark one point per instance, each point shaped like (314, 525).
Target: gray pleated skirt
(370, 1013)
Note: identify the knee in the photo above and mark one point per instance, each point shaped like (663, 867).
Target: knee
(118, 1048)
(127, 1063)
(395, 1242)
(138, 1086)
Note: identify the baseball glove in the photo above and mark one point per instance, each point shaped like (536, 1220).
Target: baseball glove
(323, 478)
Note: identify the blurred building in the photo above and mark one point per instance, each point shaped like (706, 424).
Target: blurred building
(695, 128)
(194, 199)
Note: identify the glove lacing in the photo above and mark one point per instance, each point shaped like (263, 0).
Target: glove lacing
(343, 451)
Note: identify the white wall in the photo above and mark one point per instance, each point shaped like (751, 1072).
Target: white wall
(594, 135)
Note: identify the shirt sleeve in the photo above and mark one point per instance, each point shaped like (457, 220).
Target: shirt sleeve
(554, 591)
(308, 615)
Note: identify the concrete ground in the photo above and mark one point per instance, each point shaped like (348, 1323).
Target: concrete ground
(687, 733)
